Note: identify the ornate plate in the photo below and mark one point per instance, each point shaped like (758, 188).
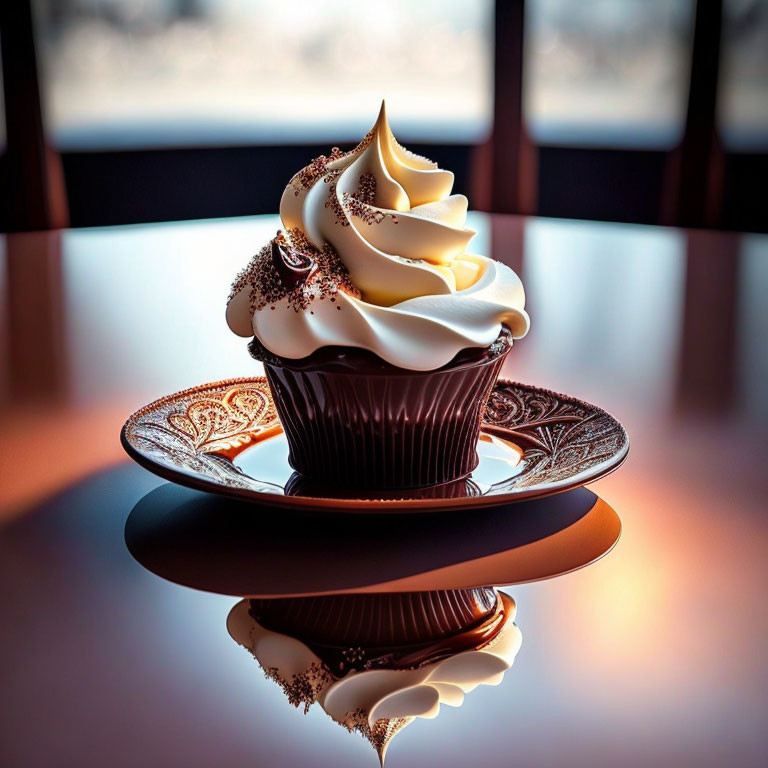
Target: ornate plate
(226, 438)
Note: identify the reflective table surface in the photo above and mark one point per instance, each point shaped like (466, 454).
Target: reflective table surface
(655, 654)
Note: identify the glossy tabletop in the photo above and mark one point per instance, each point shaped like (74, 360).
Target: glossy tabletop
(655, 655)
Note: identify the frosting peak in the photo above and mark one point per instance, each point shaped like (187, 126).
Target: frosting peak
(388, 214)
(386, 217)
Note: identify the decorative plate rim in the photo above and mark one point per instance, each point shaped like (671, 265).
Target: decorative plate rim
(372, 505)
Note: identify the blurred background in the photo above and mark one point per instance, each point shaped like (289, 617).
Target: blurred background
(578, 112)
(649, 111)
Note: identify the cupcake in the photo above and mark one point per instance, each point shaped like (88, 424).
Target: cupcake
(374, 663)
(380, 335)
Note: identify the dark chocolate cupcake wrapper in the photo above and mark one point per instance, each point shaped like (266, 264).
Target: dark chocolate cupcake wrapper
(405, 619)
(383, 431)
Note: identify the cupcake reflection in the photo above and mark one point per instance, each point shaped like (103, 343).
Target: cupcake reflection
(374, 663)
(299, 485)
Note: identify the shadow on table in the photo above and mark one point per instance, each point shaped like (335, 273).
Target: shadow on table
(240, 548)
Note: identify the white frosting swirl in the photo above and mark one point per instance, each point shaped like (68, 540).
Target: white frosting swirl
(424, 298)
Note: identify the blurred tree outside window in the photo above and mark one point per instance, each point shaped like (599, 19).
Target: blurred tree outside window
(743, 92)
(175, 72)
(607, 72)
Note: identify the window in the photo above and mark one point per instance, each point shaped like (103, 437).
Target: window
(135, 72)
(607, 72)
(743, 92)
